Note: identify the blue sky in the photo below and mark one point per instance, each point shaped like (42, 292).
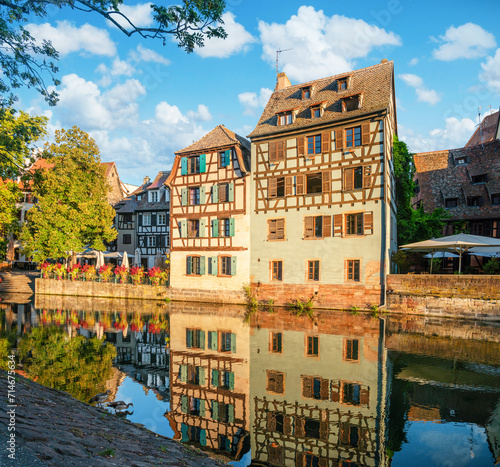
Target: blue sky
(141, 101)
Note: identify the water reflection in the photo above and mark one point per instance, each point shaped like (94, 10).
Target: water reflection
(274, 388)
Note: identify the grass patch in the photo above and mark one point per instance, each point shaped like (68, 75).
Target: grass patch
(107, 453)
(301, 308)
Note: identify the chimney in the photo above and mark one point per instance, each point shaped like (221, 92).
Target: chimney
(283, 82)
(146, 180)
(384, 60)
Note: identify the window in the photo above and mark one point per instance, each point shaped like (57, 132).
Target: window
(276, 229)
(495, 199)
(314, 183)
(350, 103)
(276, 151)
(316, 112)
(277, 186)
(194, 195)
(351, 347)
(151, 242)
(194, 165)
(461, 160)
(313, 227)
(193, 372)
(353, 273)
(193, 266)
(314, 144)
(473, 200)
(275, 382)
(225, 265)
(146, 219)
(313, 270)
(162, 219)
(223, 192)
(351, 393)
(354, 224)
(483, 178)
(306, 93)
(342, 84)
(451, 202)
(227, 342)
(285, 119)
(314, 387)
(276, 270)
(224, 228)
(225, 412)
(193, 228)
(224, 158)
(153, 196)
(353, 178)
(276, 342)
(127, 239)
(125, 221)
(312, 346)
(224, 443)
(353, 137)
(195, 339)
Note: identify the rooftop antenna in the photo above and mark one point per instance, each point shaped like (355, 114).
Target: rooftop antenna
(277, 56)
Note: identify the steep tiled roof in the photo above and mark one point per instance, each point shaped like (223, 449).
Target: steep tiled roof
(159, 180)
(220, 136)
(374, 82)
(489, 127)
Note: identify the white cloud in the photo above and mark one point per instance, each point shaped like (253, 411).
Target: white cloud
(119, 68)
(491, 72)
(140, 15)
(141, 54)
(251, 100)
(169, 115)
(423, 94)
(467, 41)
(238, 40)
(67, 38)
(413, 61)
(201, 115)
(321, 45)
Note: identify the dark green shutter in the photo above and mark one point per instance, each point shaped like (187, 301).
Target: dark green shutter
(231, 192)
(203, 163)
(215, 227)
(153, 219)
(230, 413)
(202, 339)
(184, 432)
(189, 265)
(232, 225)
(202, 265)
(139, 220)
(203, 437)
(202, 408)
(233, 265)
(215, 410)
(215, 378)
(231, 380)
(184, 403)
(184, 166)
(215, 193)
(227, 157)
(214, 340)
(201, 375)
(189, 338)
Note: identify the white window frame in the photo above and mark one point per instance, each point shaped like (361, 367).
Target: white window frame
(151, 242)
(162, 219)
(146, 219)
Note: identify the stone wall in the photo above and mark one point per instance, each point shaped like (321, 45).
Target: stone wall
(464, 296)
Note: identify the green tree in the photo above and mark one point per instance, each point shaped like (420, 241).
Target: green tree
(24, 61)
(9, 224)
(413, 224)
(72, 211)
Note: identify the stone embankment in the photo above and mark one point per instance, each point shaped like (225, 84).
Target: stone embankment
(52, 428)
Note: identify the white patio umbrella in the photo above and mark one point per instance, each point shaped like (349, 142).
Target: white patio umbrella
(137, 257)
(460, 244)
(100, 260)
(125, 260)
(487, 252)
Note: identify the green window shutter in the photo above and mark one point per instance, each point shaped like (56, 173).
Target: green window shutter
(230, 413)
(202, 339)
(153, 219)
(184, 432)
(231, 380)
(215, 378)
(189, 338)
(215, 227)
(184, 373)
(189, 265)
(139, 220)
(233, 265)
(202, 408)
(214, 340)
(202, 195)
(203, 437)
(227, 158)
(183, 227)
(203, 223)
(184, 166)
(215, 193)
(231, 192)
(201, 375)
(213, 263)
(232, 226)
(184, 197)
(233, 343)
(184, 403)
(215, 410)
(227, 444)
(202, 265)
(203, 163)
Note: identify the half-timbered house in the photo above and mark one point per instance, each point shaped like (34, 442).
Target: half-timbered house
(209, 215)
(153, 221)
(323, 215)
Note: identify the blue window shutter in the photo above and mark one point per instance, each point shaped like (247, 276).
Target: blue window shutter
(202, 195)
(231, 381)
(189, 265)
(232, 225)
(202, 265)
(184, 432)
(202, 339)
(227, 157)
(215, 378)
(184, 403)
(230, 413)
(233, 265)
(201, 375)
(233, 343)
(184, 166)
(203, 223)
(215, 193)
(203, 437)
(214, 341)
(203, 163)
(184, 197)
(215, 227)
(231, 192)
(202, 408)
(215, 271)
(215, 410)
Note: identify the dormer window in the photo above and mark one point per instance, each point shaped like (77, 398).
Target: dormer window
(306, 92)
(495, 199)
(317, 109)
(461, 160)
(473, 200)
(482, 178)
(352, 102)
(342, 84)
(153, 196)
(451, 202)
(285, 118)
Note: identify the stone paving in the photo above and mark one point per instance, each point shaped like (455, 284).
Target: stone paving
(58, 430)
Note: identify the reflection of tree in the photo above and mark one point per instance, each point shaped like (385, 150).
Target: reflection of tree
(77, 365)
(7, 340)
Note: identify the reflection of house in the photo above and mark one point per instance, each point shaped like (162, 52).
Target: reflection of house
(210, 213)
(210, 381)
(305, 410)
(323, 217)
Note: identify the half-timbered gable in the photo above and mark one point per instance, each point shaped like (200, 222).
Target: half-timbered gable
(326, 172)
(209, 217)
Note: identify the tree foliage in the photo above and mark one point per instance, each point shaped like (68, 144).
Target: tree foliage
(24, 61)
(413, 224)
(9, 194)
(72, 211)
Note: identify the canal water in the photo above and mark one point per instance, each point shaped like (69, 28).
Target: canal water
(268, 387)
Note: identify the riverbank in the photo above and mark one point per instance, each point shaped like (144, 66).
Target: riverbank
(59, 430)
